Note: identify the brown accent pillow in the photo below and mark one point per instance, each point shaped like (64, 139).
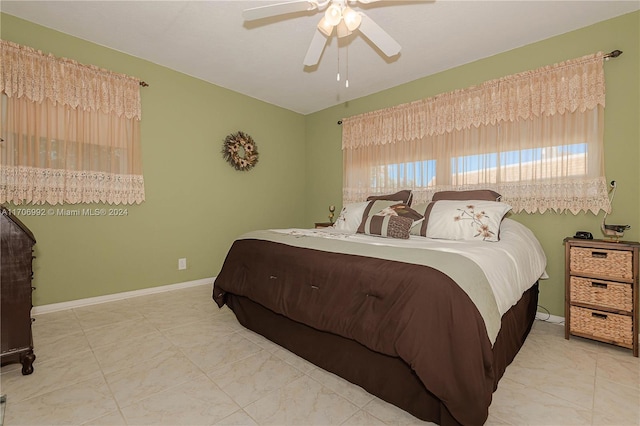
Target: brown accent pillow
(405, 196)
(388, 226)
(476, 194)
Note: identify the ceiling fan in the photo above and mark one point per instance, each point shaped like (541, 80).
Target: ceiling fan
(337, 15)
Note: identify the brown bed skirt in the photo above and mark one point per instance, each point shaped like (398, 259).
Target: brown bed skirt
(389, 378)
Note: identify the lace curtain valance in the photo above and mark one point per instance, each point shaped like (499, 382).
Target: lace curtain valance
(29, 73)
(70, 132)
(535, 137)
(573, 85)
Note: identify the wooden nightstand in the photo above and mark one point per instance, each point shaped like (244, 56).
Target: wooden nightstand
(601, 291)
(323, 224)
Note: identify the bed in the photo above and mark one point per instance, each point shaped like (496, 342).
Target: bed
(427, 324)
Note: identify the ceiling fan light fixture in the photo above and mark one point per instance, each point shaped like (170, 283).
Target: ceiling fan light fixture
(343, 30)
(333, 15)
(351, 18)
(325, 27)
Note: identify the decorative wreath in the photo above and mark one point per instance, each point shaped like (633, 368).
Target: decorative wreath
(240, 151)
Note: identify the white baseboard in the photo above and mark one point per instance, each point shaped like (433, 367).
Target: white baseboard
(54, 307)
(543, 316)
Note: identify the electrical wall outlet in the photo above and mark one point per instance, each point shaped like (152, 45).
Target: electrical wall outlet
(182, 263)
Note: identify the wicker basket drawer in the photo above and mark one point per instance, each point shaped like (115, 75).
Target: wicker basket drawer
(602, 293)
(612, 328)
(606, 263)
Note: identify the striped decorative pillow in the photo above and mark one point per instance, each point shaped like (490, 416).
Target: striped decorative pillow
(388, 226)
(373, 208)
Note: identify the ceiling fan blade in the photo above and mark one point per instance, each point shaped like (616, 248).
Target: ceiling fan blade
(316, 48)
(279, 9)
(378, 36)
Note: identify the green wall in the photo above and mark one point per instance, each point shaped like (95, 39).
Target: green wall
(196, 203)
(622, 133)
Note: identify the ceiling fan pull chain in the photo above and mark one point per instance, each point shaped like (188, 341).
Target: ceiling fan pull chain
(347, 82)
(338, 76)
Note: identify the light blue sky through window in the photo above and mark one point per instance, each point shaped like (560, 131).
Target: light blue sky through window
(471, 163)
(417, 173)
(422, 173)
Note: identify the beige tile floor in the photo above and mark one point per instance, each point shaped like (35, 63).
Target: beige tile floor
(174, 358)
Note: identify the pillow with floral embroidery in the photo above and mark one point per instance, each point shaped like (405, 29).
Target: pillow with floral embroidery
(350, 217)
(469, 220)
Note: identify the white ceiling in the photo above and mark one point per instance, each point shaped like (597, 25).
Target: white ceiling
(263, 59)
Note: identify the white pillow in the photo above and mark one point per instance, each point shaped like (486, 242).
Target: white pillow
(350, 217)
(470, 220)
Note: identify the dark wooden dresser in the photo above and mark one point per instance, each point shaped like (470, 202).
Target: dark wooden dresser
(16, 255)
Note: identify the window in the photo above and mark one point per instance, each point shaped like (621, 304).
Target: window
(522, 165)
(414, 174)
(535, 138)
(70, 132)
